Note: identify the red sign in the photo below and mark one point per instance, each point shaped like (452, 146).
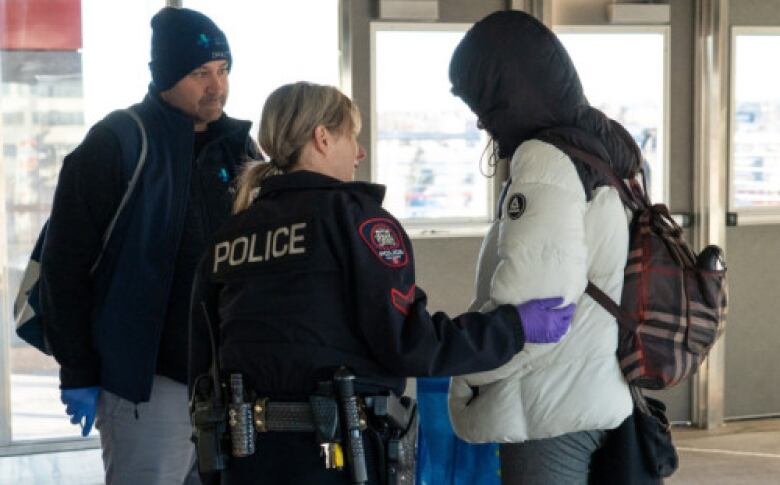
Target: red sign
(40, 24)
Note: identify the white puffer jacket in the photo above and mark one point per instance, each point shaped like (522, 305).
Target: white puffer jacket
(553, 248)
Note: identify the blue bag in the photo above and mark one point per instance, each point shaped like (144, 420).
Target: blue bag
(443, 458)
(27, 306)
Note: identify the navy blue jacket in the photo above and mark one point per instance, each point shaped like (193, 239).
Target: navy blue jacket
(315, 275)
(105, 330)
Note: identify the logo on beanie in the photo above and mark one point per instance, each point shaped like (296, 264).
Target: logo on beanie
(204, 41)
(516, 206)
(220, 51)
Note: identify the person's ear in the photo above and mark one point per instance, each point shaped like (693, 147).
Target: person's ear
(321, 139)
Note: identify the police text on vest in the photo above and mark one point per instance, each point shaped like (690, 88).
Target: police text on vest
(256, 247)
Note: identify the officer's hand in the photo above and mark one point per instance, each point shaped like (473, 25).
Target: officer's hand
(81, 404)
(543, 322)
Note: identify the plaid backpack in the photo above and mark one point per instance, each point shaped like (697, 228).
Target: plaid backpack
(673, 305)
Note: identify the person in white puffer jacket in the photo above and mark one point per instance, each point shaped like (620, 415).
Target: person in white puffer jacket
(559, 225)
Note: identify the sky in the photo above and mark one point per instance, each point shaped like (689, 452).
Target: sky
(757, 69)
(618, 65)
(412, 69)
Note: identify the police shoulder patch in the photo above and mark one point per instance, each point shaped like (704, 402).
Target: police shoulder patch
(383, 238)
(516, 206)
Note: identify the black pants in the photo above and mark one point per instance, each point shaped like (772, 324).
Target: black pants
(292, 459)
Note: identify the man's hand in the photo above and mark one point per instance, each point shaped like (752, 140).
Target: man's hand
(81, 404)
(543, 322)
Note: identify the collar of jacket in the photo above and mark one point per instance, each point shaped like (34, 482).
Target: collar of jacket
(306, 180)
(225, 126)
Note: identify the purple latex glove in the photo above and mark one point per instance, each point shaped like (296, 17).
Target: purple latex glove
(81, 404)
(543, 322)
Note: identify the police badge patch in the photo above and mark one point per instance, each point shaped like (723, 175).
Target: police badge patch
(383, 237)
(516, 206)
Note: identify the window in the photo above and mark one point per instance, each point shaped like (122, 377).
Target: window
(273, 43)
(426, 146)
(115, 56)
(624, 73)
(755, 125)
(13, 118)
(53, 118)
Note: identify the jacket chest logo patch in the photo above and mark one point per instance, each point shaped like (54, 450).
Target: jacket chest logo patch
(516, 206)
(223, 175)
(383, 238)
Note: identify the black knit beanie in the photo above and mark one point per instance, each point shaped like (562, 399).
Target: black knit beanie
(183, 39)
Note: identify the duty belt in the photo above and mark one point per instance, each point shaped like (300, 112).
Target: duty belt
(270, 415)
(338, 417)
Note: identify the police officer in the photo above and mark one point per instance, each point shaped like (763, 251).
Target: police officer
(311, 274)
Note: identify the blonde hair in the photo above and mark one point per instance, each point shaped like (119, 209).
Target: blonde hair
(290, 115)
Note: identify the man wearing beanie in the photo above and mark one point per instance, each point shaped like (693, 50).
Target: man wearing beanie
(120, 334)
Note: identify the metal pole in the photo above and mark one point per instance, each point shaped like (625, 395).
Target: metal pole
(6, 322)
(711, 102)
(345, 46)
(541, 9)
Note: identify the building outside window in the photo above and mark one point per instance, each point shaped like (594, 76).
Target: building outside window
(755, 125)
(426, 146)
(624, 73)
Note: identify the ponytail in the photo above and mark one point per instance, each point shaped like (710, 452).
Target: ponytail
(290, 115)
(249, 182)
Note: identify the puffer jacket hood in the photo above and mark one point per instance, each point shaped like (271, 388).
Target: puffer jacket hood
(516, 76)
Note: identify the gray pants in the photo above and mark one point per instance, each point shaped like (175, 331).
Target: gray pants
(147, 443)
(563, 460)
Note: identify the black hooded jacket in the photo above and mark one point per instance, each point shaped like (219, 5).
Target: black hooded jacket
(516, 76)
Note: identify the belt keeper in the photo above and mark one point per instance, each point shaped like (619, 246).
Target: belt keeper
(259, 413)
(363, 420)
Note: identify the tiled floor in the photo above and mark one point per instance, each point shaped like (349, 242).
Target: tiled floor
(746, 452)
(743, 452)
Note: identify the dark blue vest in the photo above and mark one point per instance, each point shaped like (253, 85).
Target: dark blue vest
(133, 284)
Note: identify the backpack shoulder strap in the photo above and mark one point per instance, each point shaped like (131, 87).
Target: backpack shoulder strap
(629, 196)
(130, 185)
(622, 317)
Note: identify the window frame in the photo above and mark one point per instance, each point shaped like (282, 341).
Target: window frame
(420, 228)
(746, 216)
(665, 31)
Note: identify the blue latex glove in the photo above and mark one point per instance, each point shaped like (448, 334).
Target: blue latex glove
(81, 404)
(543, 322)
